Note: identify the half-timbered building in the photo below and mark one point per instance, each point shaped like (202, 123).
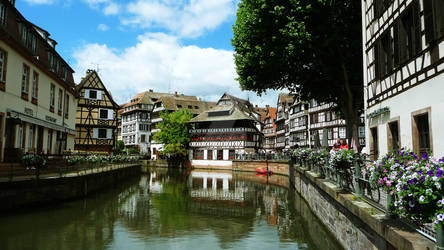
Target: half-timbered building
(37, 95)
(282, 122)
(231, 127)
(96, 117)
(299, 124)
(403, 64)
(172, 103)
(269, 129)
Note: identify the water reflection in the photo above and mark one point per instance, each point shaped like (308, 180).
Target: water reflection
(171, 210)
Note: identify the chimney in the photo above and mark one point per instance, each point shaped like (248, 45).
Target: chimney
(256, 105)
(151, 90)
(267, 106)
(175, 93)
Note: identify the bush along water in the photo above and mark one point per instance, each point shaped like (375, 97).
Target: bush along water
(101, 159)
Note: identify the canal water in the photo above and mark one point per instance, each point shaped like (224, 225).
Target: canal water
(169, 210)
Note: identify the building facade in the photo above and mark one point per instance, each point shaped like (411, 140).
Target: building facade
(403, 57)
(231, 127)
(37, 90)
(282, 122)
(96, 117)
(136, 120)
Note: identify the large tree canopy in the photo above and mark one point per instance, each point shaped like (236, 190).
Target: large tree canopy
(174, 132)
(312, 47)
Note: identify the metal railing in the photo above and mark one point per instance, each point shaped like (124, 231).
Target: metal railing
(262, 157)
(351, 177)
(221, 130)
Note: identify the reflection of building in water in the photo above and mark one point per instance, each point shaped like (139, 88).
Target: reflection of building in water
(215, 186)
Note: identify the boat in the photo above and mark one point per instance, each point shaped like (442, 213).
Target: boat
(263, 171)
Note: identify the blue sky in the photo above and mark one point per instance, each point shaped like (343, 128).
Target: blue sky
(137, 45)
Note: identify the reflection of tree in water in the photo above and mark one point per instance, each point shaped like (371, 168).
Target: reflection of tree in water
(164, 204)
(85, 224)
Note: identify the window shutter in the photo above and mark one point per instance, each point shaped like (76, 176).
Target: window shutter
(99, 95)
(110, 114)
(95, 133)
(377, 60)
(86, 93)
(109, 133)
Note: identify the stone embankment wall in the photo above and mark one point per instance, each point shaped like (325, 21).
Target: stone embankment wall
(27, 193)
(355, 223)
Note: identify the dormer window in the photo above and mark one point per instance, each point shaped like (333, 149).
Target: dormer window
(2, 14)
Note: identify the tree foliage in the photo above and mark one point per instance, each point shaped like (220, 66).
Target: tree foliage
(174, 132)
(312, 47)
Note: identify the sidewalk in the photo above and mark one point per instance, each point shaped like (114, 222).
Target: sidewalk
(68, 174)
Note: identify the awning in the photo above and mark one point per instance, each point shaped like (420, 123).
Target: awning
(37, 121)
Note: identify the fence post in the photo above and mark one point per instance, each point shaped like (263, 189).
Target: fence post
(439, 238)
(389, 208)
(358, 189)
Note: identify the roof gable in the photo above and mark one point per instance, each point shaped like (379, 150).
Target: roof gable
(93, 81)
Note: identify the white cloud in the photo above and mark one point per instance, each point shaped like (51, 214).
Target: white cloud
(182, 18)
(102, 27)
(40, 1)
(111, 9)
(159, 62)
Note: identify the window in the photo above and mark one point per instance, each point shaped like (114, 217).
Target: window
(103, 113)
(198, 154)
(380, 6)
(2, 14)
(20, 137)
(190, 107)
(52, 96)
(25, 79)
(407, 35)
(361, 130)
(342, 132)
(220, 154)
(321, 117)
(65, 73)
(383, 55)
(66, 106)
(92, 94)
(393, 135)
(60, 101)
(35, 85)
(3, 60)
(179, 106)
(374, 145)
(422, 134)
(231, 154)
(210, 155)
(143, 138)
(433, 19)
(196, 107)
(102, 133)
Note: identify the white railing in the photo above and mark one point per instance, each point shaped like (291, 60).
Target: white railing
(221, 130)
(156, 120)
(158, 109)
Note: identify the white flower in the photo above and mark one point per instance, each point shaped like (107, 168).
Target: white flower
(428, 191)
(422, 198)
(440, 217)
(438, 185)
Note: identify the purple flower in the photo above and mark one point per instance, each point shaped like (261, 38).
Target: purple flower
(425, 156)
(422, 178)
(431, 173)
(439, 173)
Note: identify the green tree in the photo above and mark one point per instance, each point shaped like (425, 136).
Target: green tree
(120, 146)
(174, 134)
(311, 47)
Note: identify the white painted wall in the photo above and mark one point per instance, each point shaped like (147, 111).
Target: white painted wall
(211, 163)
(427, 94)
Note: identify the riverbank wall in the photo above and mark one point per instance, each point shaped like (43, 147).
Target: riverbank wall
(355, 223)
(24, 194)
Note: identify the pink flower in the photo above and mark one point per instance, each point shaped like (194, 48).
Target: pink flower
(380, 181)
(388, 183)
(385, 171)
(385, 178)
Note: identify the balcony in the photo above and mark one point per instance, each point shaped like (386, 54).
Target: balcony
(155, 130)
(327, 124)
(221, 130)
(280, 145)
(158, 109)
(156, 120)
(280, 132)
(298, 128)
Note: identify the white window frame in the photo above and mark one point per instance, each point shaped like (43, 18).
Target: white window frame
(98, 96)
(52, 89)
(35, 80)
(25, 78)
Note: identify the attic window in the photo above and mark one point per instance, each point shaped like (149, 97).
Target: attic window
(190, 107)
(179, 106)
(196, 107)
